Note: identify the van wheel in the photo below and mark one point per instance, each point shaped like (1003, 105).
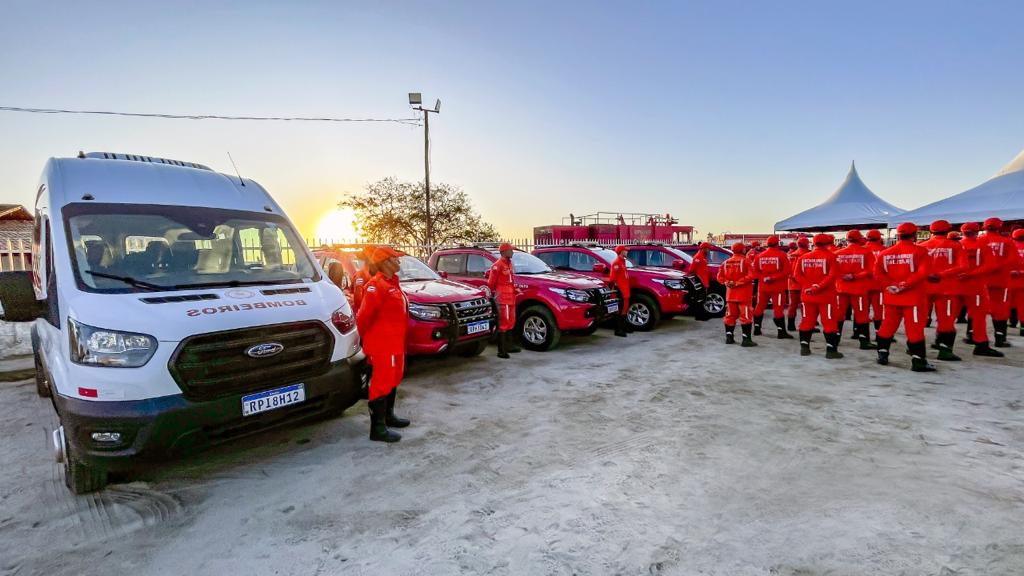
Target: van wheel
(80, 477)
(643, 313)
(42, 382)
(475, 349)
(537, 329)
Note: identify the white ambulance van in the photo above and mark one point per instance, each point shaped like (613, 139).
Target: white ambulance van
(174, 307)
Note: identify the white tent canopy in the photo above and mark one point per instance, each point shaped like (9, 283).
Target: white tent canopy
(853, 205)
(1001, 196)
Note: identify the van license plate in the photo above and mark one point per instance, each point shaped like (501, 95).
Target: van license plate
(613, 307)
(478, 327)
(273, 399)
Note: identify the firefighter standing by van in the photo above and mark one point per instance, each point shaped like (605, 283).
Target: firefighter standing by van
(382, 320)
(816, 272)
(735, 274)
(618, 276)
(1005, 254)
(946, 263)
(795, 252)
(771, 268)
(903, 270)
(501, 281)
(856, 278)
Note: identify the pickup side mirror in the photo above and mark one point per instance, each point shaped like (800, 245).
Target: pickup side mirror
(601, 268)
(443, 274)
(679, 264)
(18, 298)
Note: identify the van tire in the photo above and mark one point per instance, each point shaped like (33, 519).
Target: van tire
(80, 477)
(475, 349)
(42, 382)
(537, 330)
(644, 313)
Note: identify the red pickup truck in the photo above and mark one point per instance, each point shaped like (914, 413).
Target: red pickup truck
(444, 316)
(655, 292)
(549, 303)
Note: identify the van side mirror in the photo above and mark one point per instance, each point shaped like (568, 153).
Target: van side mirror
(18, 298)
(601, 268)
(443, 274)
(679, 264)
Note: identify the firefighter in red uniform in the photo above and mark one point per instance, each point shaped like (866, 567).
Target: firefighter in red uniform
(1005, 254)
(946, 263)
(736, 275)
(771, 268)
(501, 281)
(979, 264)
(382, 320)
(1017, 278)
(699, 265)
(876, 245)
(362, 277)
(816, 272)
(618, 276)
(795, 252)
(903, 271)
(856, 277)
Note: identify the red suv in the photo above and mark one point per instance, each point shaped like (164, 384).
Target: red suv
(548, 303)
(443, 315)
(655, 292)
(655, 255)
(714, 304)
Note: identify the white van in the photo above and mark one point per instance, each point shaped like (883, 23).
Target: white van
(174, 307)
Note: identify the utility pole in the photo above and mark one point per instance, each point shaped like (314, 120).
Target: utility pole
(416, 101)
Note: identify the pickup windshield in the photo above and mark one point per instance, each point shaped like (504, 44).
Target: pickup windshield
(147, 248)
(412, 270)
(523, 263)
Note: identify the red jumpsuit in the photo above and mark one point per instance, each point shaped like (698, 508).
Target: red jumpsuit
(382, 320)
(501, 281)
(857, 261)
(902, 269)
(1005, 253)
(946, 262)
(771, 268)
(792, 284)
(978, 265)
(1017, 282)
(699, 268)
(816, 272)
(875, 291)
(737, 298)
(359, 282)
(619, 276)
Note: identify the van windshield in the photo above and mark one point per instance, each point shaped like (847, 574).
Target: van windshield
(135, 247)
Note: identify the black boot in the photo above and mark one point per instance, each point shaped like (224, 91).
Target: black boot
(748, 342)
(832, 346)
(791, 323)
(389, 418)
(1014, 318)
(856, 331)
(983, 349)
(805, 342)
(999, 327)
(780, 325)
(946, 340)
(512, 343)
(962, 317)
(757, 325)
(620, 326)
(839, 325)
(969, 335)
(729, 338)
(883, 349)
(864, 335)
(919, 359)
(378, 425)
(877, 323)
(502, 343)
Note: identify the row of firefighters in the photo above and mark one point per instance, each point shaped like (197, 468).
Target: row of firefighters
(950, 272)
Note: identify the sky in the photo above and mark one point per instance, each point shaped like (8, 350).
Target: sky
(728, 115)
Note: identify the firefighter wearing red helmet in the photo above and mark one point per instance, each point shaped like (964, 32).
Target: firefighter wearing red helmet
(816, 272)
(874, 242)
(771, 268)
(753, 250)
(856, 278)
(903, 270)
(362, 276)
(699, 268)
(1004, 251)
(502, 284)
(802, 247)
(946, 262)
(382, 321)
(618, 275)
(735, 274)
(1017, 278)
(979, 264)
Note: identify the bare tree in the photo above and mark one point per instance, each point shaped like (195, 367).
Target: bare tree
(393, 212)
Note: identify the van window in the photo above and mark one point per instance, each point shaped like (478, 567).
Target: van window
(557, 260)
(133, 247)
(452, 263)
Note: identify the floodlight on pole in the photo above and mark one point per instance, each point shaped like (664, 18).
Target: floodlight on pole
(416, 101)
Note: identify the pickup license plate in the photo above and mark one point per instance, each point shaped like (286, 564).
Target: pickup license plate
(613, 307)
(273, 399)
(478, 327)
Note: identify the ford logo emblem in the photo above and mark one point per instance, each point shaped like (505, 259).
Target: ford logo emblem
(264, 350)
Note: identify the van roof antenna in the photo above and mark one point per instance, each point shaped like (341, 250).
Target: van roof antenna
(240, 181)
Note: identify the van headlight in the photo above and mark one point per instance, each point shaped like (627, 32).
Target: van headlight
(673, 284)
(93, 346)
(425, 311)
(572, 294)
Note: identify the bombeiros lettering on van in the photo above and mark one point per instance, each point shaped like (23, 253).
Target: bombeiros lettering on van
(209, 310)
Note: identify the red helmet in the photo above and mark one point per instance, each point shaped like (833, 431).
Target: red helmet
(906, 228)
(854, 236)
(739, 248)
(792, 245)
(940, 227)
(993, 224)
(823, 239)
(505, 246)
(367, 252)
(874, 236)
(1018, 234)
(383, 253)
(954, 235)
(620, 249)
(755, 244)
(772, 240)
(704, 246)
(970, 227)
(803, 241)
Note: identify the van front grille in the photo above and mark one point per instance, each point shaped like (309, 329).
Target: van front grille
(217, 364)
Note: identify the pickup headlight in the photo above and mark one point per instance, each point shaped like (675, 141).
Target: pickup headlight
(572, 294)
(425, 311)
(673, 284)
(93, 346)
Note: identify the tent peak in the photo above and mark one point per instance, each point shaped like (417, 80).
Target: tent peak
(1015, 165)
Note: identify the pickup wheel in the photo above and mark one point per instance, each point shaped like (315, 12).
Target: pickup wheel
(537, 329)
(80, 477)
(643, 313)
(42, 382)
(475, 349)
(714, 303)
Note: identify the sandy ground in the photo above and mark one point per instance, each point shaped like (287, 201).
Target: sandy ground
(668, 453)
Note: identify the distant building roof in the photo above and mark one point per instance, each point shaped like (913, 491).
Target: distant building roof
(15, 230)
(14, 212)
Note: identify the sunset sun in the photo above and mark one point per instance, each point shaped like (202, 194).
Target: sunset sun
(338, 226)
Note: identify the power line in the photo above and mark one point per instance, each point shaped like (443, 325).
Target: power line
(408, 121)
